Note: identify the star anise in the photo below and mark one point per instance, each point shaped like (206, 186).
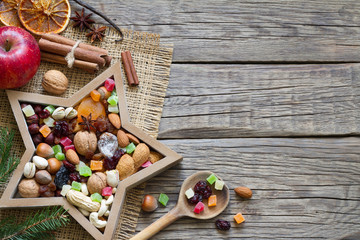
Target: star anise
(96, 33)
(87, 123)
(82, 21)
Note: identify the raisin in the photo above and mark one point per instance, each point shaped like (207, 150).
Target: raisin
(44, 114)
(195, 199)
(74, 176)
(222, 224)
(61, 177)
(110, 163)
(43, 188)
(203, 189)
(71, 167)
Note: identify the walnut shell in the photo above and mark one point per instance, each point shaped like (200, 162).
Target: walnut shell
(29, 188)
(85, 141)
(96, 182)
(125, 166)
(55, 82)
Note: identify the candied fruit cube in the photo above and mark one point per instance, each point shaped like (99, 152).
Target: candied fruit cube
(112, 100)
(146, 164)
(189, 193)
(45, 130)
(96, 197)
(199, 208)
(76, 186)
(60, 156)
(96, 165)
(113, 109)
(109, 84)
(49, 122)
(163, 199)
(69, 147)
(211, 179)
(106, 191)
(81, 164)
(219, 185)
(113, 93)
(57, 149)
(65, 141)
(28, 110)
(65, 189)
(130, 148)
(212, 201)
(85, 171)
(239, 218)
(50, 108)
(95, 95)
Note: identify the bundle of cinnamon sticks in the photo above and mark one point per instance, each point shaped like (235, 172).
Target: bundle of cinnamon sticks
(55, 47)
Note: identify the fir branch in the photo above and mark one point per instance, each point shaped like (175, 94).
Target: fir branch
(40, 226)
(8, 163)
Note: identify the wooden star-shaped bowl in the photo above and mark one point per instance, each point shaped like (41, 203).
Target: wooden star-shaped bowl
(12, 199)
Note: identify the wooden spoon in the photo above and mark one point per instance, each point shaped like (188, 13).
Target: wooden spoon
(183, 208)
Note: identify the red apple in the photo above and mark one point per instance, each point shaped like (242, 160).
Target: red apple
(19, 57)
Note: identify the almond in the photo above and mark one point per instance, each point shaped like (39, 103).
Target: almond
(141, 154)
(133, 139)
(72, 157)
(123, 139)
(115, 120)
(154, 157)
(243, 192)
(125, 166)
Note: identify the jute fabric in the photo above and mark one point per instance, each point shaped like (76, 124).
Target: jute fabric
(152, 61)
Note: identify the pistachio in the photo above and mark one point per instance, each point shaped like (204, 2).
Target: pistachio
(29, 170)
(59, 113)
(70, 113)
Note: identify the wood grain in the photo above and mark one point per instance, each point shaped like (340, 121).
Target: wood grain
(220, 101)
(246, 31)
(302, 188)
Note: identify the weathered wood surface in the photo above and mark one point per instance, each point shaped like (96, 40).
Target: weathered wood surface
(219, 101)
(246, 31)
(302, 188)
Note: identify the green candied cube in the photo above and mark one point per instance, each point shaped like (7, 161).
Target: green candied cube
(60, 156)
(130, 148)
(57, 149)
(113, 100)
(163, 199)
(113, 93)
(219, 185)
(96, 197)
(50, 122)
(113, 108)
(28, 111)
(76, 186)
(81, 164)
(85, 171)
(50, 108)
(211, 179)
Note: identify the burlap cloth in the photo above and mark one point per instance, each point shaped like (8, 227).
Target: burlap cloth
(152, 62)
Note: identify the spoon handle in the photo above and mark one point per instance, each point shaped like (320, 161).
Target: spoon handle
(159, 224)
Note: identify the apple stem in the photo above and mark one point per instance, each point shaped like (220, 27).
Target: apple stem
(7, 45)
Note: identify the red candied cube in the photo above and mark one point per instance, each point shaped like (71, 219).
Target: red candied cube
(109, 84)
(146, 164)
(199, 207)
(106, 191)
(65, 141)
(69, 147)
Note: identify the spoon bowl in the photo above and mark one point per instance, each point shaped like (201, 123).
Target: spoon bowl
(183, 208)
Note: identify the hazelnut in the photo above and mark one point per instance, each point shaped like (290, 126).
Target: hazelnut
(43, 177)
(29, 188)
(85, 141)
(96, 182)
(54, 165)
(149, 203)
(44, 150)
(55, 82)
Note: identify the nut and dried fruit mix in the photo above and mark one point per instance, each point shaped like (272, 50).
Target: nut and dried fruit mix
(82, 153)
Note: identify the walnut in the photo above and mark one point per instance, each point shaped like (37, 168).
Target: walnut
(85, 141)
(55, 82)
(96, 182)
(29, 188)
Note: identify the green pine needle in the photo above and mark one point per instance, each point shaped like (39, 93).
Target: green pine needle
(8, 163)
(40, 226)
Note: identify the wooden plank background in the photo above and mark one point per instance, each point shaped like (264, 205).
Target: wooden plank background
(266, 94)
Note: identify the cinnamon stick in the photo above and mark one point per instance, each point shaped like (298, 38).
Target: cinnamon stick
(87, 66)
(132, 68)
(128, 73)
(66, 41)
(63, 50)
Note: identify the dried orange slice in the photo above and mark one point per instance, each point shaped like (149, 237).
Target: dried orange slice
(44, 16)
(9, 13)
